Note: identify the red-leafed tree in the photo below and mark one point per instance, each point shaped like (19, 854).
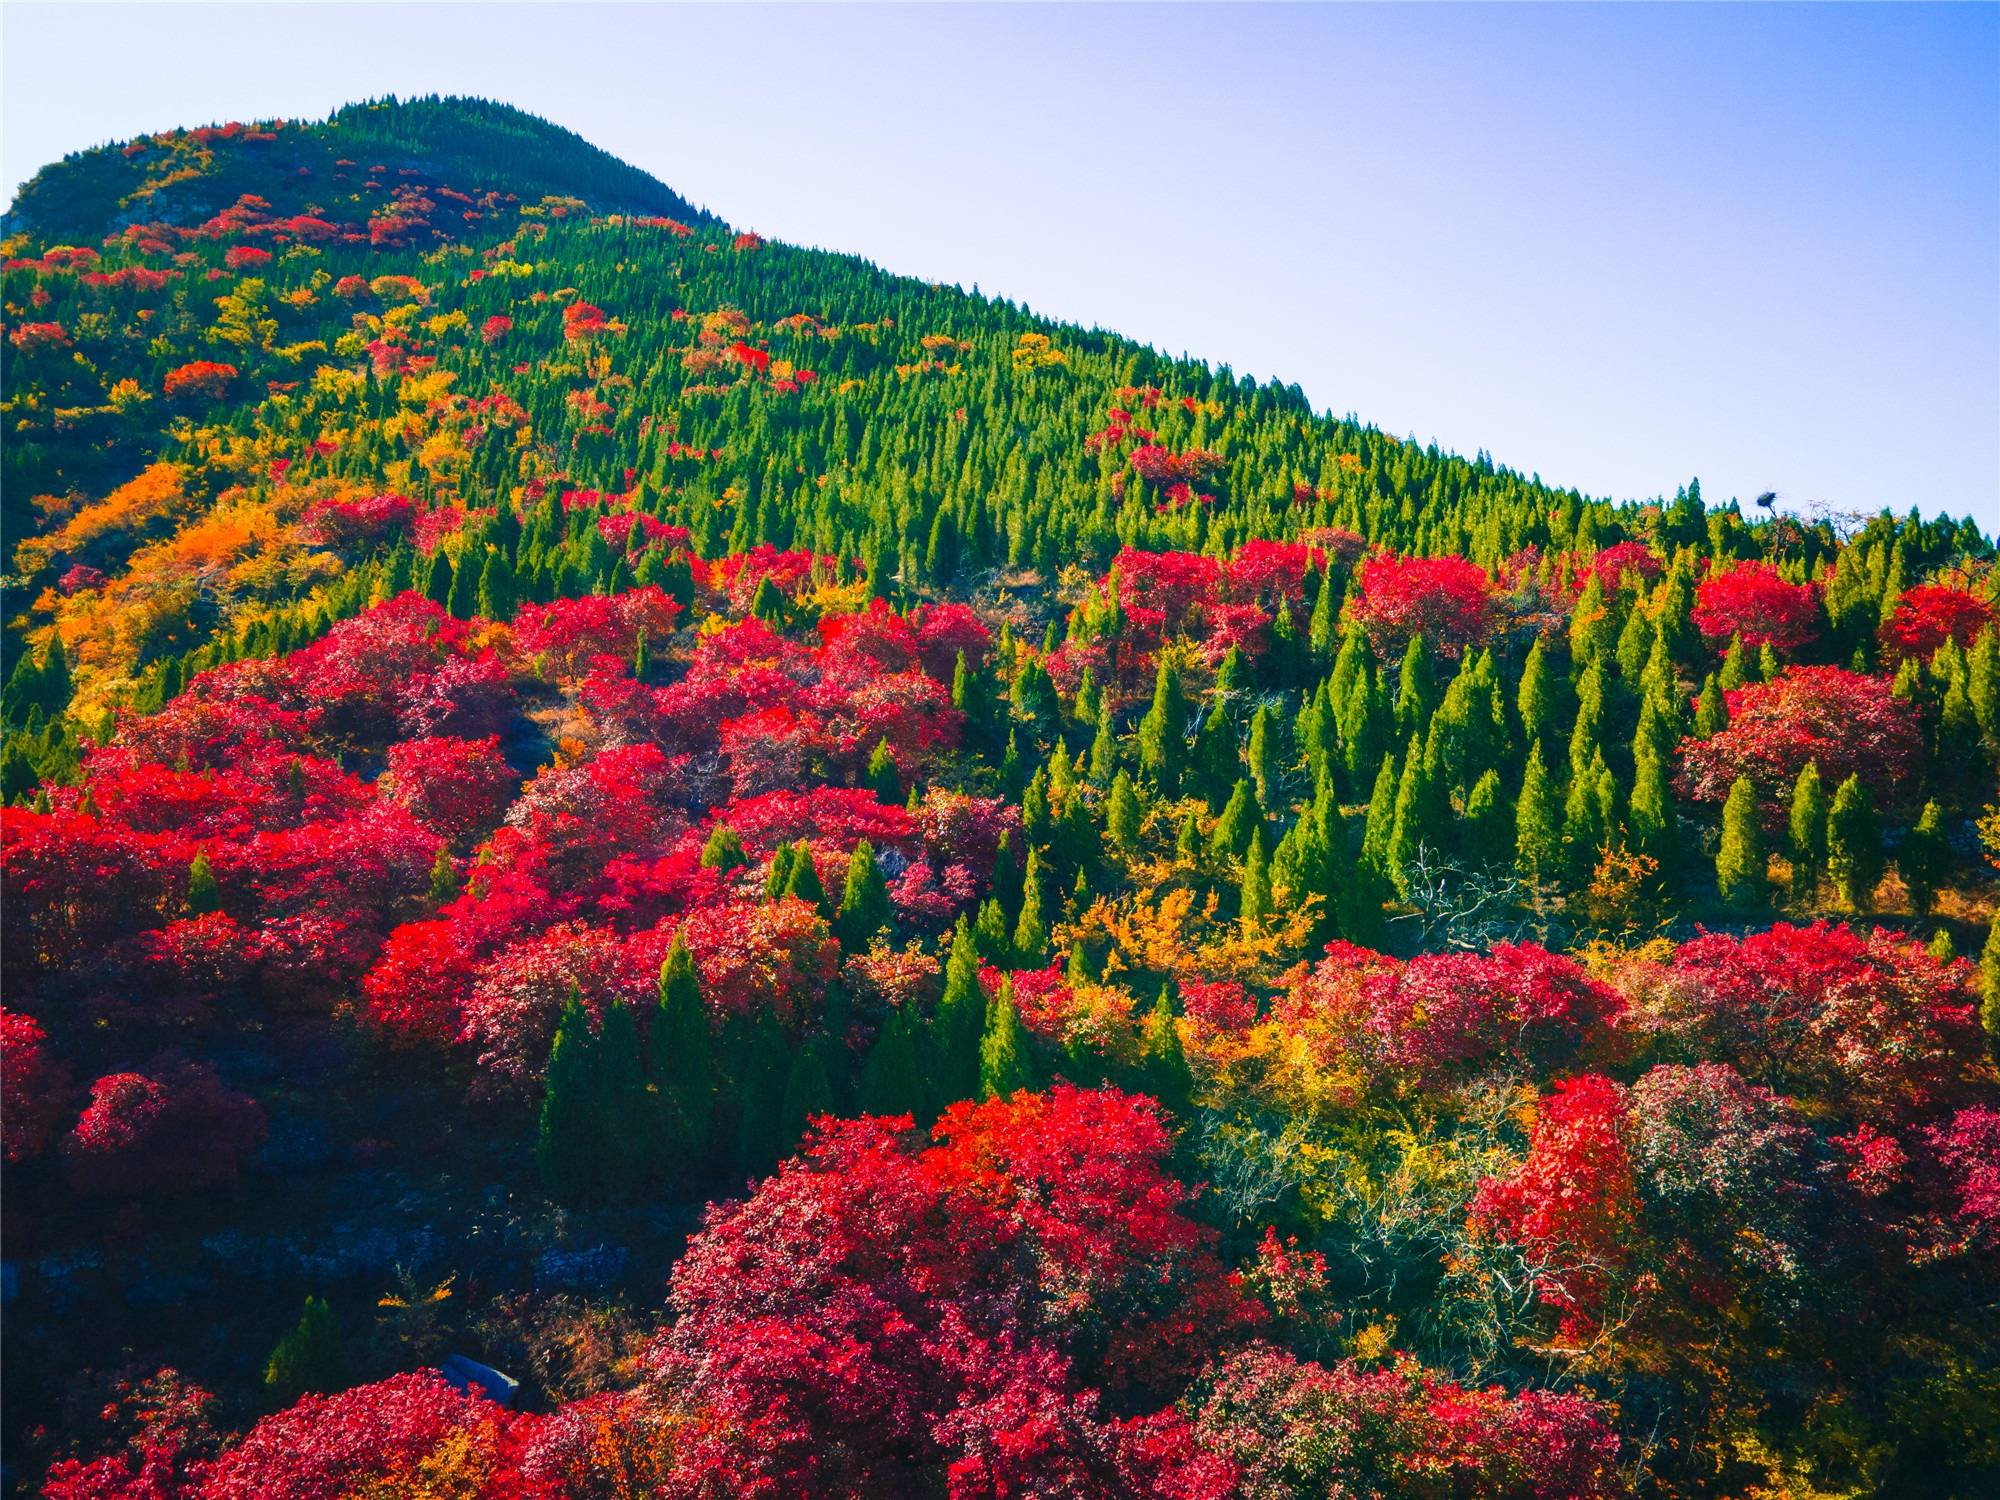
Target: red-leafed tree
(1447, 600)
(1932, 613)
(458, 788)
(1752, 601)
(173, 1128)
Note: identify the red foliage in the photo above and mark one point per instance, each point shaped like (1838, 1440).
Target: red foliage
(456, 787)
(171, 1129)
(1572, 1206)
(1622, 561)
(1402, 1433)
(242, 257)
(1751, 600)
(879, 1309)
(1850, 723)
(36, 1085)
(352, 523)
(946, 630)
(762, 955)
(1871, 1026)
(200, 380)
(1445, 599)
(570, 632)
(1932, 613)
(408, 1434)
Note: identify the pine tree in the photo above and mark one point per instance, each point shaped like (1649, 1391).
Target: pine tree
(463, 602)
(1121, 815)
(495, 598)
(1212, 766)
(1163, 1067)
(203, 894)
(1806, 828)
(1255, 903)
(762, 1070)
(1415, 823)
(1537, 824)
(1854, 844)
(955, 1030)
(892, 1078)
(1240, 816)
(808, 1094)
(437, 581)
(566, 1142)
(1536, 699)
(1031, 930)
(1163, 732)
(310, 1359)
(1711, 711)
(1003, 1063)
(883, 777)
(724, 850)
(1923, 859)
(1265, 758)
(864, 901)
(1489, 822)
(802, 880)
(627, 1123)
(682, 1070)
(1739, 859)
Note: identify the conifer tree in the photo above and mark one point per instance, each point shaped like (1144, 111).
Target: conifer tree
(1003, 1063)
(310, 1359)
(1415, 825)
(626, 1121)
(883, 777)
(955, 1030)
(1711, 711)
(724, 850)
(892, 1077)
(566, 1141)
(437, 580)
(1923, 858)
(1535, 701)
(682, 1069)
(808, 1094)
(1537, 822)
(1121, 815)
(1031, 930)
(802, 880)
(864, 901)
(762, 1071)
(1989, 979)
(1739, 859)
(1163, 1066)
(1240, 816)
(1163, 732)
(1380, 822)
(1265, 758)
(1806, 830)
(1212, 765)
(1255, 902)
(463, 601)
(203, 894)
(1489, 822)
(1854, 844)
(495, 598)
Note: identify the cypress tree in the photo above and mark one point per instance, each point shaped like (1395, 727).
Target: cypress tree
(763, 1071)
(1121, 815)
(1415, 825)
(1240, 817)
(1031, 930)
(1537, 825)
(1255, 905)
(627, 1127)
(1265, 759)
(1923, 858)
(956, 1028)
(802, 880)
(1739, 859)
(566, 1141)
(892, 1078)
(1381, 818)
(883, 777)
(1163, 1067)
(437, 581)
(1003, 1063)
(203, 894)
(1489, 822)
(1854, 844)
(1806, 827)
(1163, 732)
(1212, 766)
(463, 601)
(495, 599)
(724, 850)
(864, 901)
(1414, 688)
(1711, 712)
(310, 1359)
(682, 1069)
(808, 1094)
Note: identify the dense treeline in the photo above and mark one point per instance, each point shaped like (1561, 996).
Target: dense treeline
(1194, 948)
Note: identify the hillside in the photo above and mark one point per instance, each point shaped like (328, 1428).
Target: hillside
(873, 894)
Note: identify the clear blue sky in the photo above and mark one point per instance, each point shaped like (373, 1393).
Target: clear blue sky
(1617, 245)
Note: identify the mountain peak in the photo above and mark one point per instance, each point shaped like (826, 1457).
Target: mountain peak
(393, 171)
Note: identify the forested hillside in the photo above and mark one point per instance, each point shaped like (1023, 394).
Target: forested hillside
(874, 895)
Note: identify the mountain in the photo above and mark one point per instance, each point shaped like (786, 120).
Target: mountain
(362, 163)
(873, 894)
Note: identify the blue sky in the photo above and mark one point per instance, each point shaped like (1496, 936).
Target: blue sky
(1615, 245)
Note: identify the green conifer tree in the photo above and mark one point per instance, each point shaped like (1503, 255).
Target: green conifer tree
(1923, 859)
(1003, 1059)
(1537, 822)
(310, 1359)
(1739, 859)
(864, 901)
(1854, 844)
(567, 1137)
(682, 1070)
